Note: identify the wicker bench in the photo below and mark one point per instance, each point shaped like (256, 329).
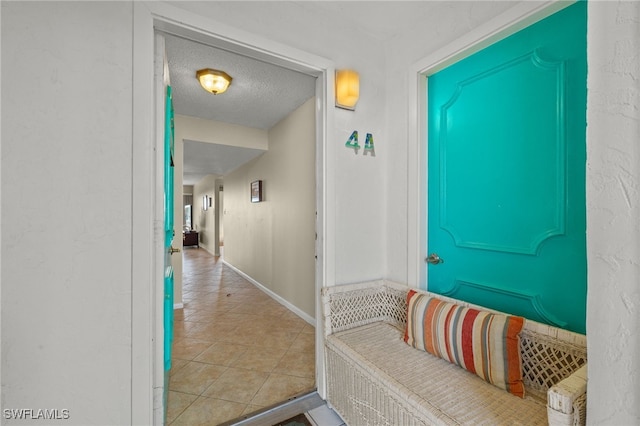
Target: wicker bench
(375, 378)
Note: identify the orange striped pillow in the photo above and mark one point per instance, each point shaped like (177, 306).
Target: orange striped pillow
(481, 342)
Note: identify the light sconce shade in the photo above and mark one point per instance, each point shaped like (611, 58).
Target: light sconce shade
(347, 89)
(213, 81)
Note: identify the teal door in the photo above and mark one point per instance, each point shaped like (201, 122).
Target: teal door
(506, 159)
(168, 238)
(168, 229)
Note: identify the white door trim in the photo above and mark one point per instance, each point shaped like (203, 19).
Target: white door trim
(518, 17)
(147, 207)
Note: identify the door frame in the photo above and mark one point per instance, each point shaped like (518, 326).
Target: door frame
(147, 185)
(509, 22)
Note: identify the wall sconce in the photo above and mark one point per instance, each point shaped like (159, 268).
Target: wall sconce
(347, 89)
(213, 81)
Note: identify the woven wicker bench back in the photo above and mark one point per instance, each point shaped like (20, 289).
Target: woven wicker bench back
(548, 354)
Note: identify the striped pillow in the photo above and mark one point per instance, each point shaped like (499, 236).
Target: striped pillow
(481, 342)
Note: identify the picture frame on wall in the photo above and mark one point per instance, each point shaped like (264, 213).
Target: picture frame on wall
(256, 191)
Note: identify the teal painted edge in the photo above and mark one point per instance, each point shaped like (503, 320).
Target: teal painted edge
(168, 225)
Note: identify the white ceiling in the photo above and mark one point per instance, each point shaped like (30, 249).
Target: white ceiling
(260, 95)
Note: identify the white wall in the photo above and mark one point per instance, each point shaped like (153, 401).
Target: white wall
(220, 211)
(274, 241)
(204, 220)
(613, 197)
(66, 209)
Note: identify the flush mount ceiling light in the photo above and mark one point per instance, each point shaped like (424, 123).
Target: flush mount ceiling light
(347, 89)
(213, 81)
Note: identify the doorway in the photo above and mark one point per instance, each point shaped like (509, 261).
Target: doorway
(147, 300)
(237, 350)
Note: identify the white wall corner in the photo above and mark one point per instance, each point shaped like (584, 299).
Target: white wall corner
(613, 208)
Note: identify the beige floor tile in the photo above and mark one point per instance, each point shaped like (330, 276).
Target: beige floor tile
(295, 363)
(217, 317)
(194, 294)
(237, 385)
(195, 377)
(275, 339)
(185, 326)
(201, 314)
(212, 332)
(254, 325)
(250, 308)
(304, 342)
(178, 331)
(209, 411)
(248, 334)
(177, 364)
(222, 353)
(280, 387)
(262, 309)
(204, 309)
(259, 359)
(232, 318)
(224, 314)
(194, 327)
(177, 403)
(309, 329)
(178, 314)
(287, 314)
(276, 311)
(252, 409)
(187, 348)
(294, 325)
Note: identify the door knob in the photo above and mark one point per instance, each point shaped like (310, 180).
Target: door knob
(434, 259)
(173, 250)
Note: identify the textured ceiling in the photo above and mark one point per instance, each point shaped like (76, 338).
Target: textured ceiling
(260, 94)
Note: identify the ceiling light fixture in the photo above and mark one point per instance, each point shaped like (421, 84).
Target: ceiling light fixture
(213, 81)
(347, 89)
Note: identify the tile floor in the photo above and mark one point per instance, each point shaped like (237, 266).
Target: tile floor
(235, 350)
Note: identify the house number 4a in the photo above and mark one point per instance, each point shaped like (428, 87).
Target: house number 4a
(368, 143)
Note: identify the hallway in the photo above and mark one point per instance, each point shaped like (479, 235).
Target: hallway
(235, 349)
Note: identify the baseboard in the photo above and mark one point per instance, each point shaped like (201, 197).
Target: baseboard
(178, 305)
(309, 319)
